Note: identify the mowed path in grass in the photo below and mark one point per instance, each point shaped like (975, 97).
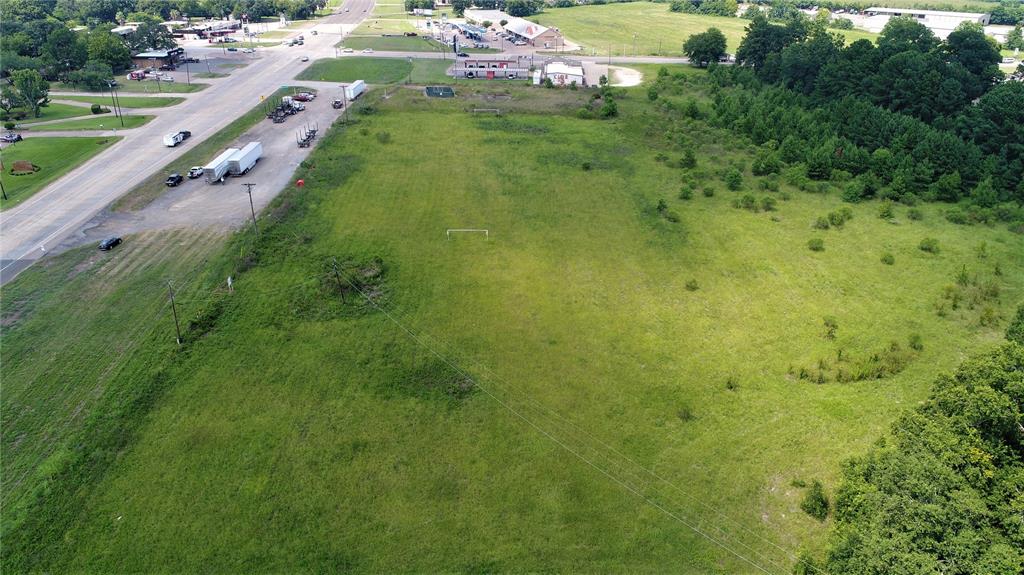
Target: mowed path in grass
(611, 27)
(303, 433)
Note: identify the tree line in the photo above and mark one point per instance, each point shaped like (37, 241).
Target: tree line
(913, 118)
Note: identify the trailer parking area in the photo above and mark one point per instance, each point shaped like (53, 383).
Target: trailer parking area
(196, 204)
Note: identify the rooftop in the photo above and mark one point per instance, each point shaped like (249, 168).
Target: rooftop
(525, 28)
(884, 9)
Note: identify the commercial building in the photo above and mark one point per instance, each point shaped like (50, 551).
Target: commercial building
(564, 74)
(519, 28)
(493, 67)
(157, 58)
(940, 23)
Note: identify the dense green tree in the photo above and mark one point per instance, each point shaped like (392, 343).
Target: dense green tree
(459, 6)
(1015, 331)
(94, 76)
(9, 98)
(63, 51)
(32, 90)
(150, 35)
(706, 47)
(802, 61)
(977, 53)
(708, 7)
(1015, 38)
(942, 493)
(108, 48)
(904, 33)
(850, 73)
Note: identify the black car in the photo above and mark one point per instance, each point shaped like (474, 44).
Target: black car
(109, 244)
(174, 180)
(462, 55)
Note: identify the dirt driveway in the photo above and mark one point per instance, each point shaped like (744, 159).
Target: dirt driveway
(196, 204)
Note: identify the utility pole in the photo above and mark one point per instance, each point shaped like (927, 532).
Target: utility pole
(252, 208)
(337, 277)
(188, 77)
(120, 112)
(174, 311)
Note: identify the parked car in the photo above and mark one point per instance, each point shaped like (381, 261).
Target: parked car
(1009, 60)
(173, 180)
(337, 104)
(10, 137)
(314, 32)
(109, 244)
(301, 37)
(195, 172)
(304, 58)
(521, 43)
(410, 34)
(367, 50)
(248, 50)
(347, 50)
(299, 42)
(168, 67)
(462, 55)
(304, 97)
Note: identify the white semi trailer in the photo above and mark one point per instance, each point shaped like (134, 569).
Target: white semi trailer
(353, 90)
(243, 160)
(218, 168)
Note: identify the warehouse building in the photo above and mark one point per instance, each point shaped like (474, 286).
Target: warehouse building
(520, 29)
(493, 67)
(940, 23)
(564, 73)
(157, 58)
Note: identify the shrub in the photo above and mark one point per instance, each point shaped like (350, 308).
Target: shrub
(610, 109)
(915, 214)
(731, 384)
(9, 125)
(885, 210)
(821, 223)
(748, 202)
(930, 245)
(1015, 332)
(816, 244)
(685, 413)
(888, 259)
(685, 193)
(708, 191)
(384, 137)
(768, 204)
(815, 502)
(586, 166)
(691, 285)
(96, 109)
(831, 327)
(733, 179)
(915, 342)
(688, 160)
(364, 131)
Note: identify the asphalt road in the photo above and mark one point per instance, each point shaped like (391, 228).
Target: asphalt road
(38, 224)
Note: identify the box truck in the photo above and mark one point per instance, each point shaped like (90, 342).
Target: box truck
(353, 90)
(218, 168)
(243, 160)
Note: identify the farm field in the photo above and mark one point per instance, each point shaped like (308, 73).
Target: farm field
(124, 101)
(104, 122)
(611, 27)
(377, 70)
(56, 156)
(575, 391)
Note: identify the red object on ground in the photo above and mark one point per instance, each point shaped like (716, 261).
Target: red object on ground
(300, 183)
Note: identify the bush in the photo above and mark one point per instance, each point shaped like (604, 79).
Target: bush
(815, 502)
(888, 259)
(609, 109)
(816, 244)
(733, 179)
(1015, 332)
(930, 245)
(916, 343)
(384, 137)
(708, 191)
(9, 125)
(691, 285)
(96, 109)
(885, 210)
(831, 326)
(686, 193)
(821, 223)
(915, 214)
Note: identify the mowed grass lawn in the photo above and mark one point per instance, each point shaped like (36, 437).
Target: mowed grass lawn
(301, 429)
(104, 122)
(658, 30)
(125, 101)
(378, 70)
(54, 155)
(55, 111)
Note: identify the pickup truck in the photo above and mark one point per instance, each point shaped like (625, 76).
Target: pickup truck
(171, 140)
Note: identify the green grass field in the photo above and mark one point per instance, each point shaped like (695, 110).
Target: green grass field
(126, 101)
(104, 122)
(54, 155)
(610, 27)
(632, 377)
(137, 87)
(55, 111)
(377, 70)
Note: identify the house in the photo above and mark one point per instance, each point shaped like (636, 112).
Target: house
(534, 34)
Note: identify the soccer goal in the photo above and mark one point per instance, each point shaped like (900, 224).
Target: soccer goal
(450, 231)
